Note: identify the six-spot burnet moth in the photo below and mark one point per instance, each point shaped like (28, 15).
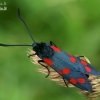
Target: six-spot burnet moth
(71, 68)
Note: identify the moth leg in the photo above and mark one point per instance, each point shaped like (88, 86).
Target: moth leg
(39, 61)
(31, 55)
(80, 56)
(84, 58)
(52, 43)
(65, 82)
(87, 75)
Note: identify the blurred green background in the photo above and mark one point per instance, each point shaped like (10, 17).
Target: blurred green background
(73, 25)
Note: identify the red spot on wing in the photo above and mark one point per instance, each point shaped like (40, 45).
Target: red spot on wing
(88, 69)
(66, 71)
(81, 80)
(83, 62)
(48, 61)
(72, 59)
(55, 48)
(73, 81)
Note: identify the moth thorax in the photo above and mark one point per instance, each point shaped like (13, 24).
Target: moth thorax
(43, 50)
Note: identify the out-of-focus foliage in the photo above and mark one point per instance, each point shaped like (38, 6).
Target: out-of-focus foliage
(73, 25)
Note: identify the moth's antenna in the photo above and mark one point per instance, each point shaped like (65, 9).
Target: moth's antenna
(25, 25)
(6, 45)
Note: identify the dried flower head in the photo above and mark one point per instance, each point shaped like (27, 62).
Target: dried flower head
(54, 76)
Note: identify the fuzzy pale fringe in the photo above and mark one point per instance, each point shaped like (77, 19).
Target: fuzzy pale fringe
(54, 76)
